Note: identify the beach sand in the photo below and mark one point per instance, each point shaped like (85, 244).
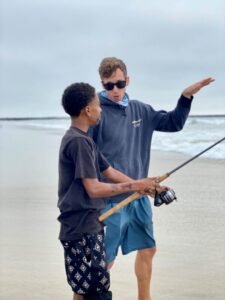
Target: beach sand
(190, 233)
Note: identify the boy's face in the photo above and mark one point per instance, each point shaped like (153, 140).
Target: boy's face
(94, 111)
(115, 92)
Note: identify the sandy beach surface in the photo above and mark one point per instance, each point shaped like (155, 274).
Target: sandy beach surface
(190, 233)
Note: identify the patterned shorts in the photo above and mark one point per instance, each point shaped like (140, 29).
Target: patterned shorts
(85, 264)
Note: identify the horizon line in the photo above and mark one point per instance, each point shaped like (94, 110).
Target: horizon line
(67, 117)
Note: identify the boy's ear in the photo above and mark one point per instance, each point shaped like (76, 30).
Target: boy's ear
(87, 109)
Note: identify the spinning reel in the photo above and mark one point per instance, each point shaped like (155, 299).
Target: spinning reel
(165, 197)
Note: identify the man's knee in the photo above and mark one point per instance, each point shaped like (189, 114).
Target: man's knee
(147, 254)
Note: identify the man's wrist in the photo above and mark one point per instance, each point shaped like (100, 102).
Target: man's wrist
(185, 102)
(188, 96)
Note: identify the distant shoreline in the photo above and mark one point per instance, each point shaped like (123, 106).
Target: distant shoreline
(32, 118)
(65, 118)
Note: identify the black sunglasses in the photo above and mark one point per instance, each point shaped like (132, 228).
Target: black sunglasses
(120, 84)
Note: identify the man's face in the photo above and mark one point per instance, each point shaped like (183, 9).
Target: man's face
(94, 111)
(115, 92)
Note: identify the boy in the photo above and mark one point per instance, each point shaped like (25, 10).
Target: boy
(81, 195)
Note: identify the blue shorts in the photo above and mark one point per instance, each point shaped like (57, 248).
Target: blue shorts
(131, 228)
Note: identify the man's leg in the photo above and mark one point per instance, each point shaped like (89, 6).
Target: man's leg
(110, 264)
(143, 271)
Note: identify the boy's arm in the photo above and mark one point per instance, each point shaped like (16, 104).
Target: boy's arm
(115, 176)
(97, 189)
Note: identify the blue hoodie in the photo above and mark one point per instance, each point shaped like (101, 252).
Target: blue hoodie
(124, 133)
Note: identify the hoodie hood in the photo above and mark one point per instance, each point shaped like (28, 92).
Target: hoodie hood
(107, 102)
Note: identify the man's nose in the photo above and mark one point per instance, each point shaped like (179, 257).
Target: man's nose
(115, 87)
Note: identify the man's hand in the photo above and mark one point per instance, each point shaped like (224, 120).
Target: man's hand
(194, 88)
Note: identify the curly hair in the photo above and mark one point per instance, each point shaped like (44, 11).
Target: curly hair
(109, 65)
(76, 97)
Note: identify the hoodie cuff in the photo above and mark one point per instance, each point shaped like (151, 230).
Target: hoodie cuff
(185, 102)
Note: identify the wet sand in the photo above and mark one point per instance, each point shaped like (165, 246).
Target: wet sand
(190, 233)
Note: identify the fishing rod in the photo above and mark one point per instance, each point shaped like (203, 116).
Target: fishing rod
(166, 198)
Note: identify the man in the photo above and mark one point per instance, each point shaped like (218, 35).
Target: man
(81, 195)
(124, 136)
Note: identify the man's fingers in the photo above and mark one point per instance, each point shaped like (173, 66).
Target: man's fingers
(207, 81)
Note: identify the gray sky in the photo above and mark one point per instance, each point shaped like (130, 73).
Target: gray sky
(167, 45)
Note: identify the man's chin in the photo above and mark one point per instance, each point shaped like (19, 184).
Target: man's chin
(116, 99)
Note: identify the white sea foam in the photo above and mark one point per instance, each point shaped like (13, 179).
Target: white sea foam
(198, 134)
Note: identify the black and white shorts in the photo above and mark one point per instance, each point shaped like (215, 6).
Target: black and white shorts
(85, 264)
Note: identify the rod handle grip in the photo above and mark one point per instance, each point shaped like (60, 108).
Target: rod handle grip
(118, 206)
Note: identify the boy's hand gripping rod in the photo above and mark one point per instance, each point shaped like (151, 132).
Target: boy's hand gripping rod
(159, 179)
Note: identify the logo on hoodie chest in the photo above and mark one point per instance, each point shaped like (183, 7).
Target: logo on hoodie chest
(136, 123)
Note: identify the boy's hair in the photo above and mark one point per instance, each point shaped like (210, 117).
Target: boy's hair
(109, 65)
(76, 97)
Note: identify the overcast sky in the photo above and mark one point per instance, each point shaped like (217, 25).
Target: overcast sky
(167, 45)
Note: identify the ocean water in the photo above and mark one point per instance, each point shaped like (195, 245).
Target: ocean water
(198, 133)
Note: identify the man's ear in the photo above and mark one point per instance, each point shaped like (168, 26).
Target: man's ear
(127, 80)
(102, 84)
